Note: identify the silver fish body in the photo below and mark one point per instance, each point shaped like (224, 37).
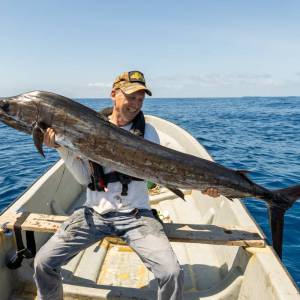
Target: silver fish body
(84, 131)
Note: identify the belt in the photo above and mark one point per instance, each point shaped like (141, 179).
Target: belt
(133, 212)
(110, 214)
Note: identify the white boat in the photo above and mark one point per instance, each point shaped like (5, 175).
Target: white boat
(213, 269)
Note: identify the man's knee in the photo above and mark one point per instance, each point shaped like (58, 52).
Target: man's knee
(45, 262)
(41, 262)
(172, 271)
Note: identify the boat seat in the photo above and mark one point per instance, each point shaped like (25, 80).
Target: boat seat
(191, 233)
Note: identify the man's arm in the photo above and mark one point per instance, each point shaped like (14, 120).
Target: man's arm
(78, 167)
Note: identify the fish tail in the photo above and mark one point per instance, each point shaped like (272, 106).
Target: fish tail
(276, 218)
(291, 194)
(282, 200)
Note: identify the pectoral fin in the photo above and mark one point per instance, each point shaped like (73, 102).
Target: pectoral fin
(38, 139)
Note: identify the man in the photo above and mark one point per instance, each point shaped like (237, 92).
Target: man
(114, 206)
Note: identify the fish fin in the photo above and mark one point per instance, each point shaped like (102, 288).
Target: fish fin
(177, 192)
(38, 139)
(244, 172)
(276, 216)
(292, 193)
(283, 200)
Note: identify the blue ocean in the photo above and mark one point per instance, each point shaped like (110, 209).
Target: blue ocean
(251, 133)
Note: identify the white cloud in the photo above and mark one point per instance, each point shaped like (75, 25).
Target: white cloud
(214, 84)
(215, 80)
(176, 86)
(100, 85)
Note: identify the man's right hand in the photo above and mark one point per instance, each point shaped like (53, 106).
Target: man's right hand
(212, 192)
(49, 138)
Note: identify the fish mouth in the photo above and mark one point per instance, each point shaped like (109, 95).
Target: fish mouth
(4, 106)
(4, 110)
(9, 120)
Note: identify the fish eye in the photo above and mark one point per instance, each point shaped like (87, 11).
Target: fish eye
(5, 106)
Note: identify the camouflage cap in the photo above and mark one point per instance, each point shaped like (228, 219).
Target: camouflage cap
(130, 82)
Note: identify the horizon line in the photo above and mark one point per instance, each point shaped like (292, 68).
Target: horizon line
(209, 97)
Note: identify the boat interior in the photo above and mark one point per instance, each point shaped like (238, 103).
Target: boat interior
(110, 269)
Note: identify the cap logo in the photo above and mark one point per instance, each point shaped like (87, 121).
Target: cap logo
(136, 76)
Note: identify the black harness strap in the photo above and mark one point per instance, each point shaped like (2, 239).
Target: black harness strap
(99, 180)
(22, 252)
(123, 178)
(30, 242)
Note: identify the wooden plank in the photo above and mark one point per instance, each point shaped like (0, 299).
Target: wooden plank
(187, 233)
(212, 234)
(34, 222)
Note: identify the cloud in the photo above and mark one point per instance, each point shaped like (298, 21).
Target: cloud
(215, 80)
(176, 86)
(100, 85)
(251, 79)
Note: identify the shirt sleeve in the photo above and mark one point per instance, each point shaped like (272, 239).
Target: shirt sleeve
(79, 167)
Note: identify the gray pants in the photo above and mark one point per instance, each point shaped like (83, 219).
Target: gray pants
(140, 230)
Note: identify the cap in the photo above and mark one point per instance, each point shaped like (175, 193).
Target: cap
(130, 82)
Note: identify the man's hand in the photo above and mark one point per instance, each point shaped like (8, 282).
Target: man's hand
(212, 192)
(49, 138)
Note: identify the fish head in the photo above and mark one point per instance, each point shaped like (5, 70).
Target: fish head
(20, 112)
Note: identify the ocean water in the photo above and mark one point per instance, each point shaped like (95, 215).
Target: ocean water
(256, 134)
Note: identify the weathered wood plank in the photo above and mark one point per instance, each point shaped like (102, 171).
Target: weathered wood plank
(34, 222)
(212, 234)
(187, 233)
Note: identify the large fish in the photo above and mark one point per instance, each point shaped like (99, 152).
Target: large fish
(84, 131)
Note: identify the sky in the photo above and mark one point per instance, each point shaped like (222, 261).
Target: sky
(215, 48)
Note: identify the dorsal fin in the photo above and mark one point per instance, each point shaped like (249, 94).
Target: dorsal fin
(244, 173)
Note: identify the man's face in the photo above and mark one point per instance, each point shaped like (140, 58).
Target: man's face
(128, 106)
